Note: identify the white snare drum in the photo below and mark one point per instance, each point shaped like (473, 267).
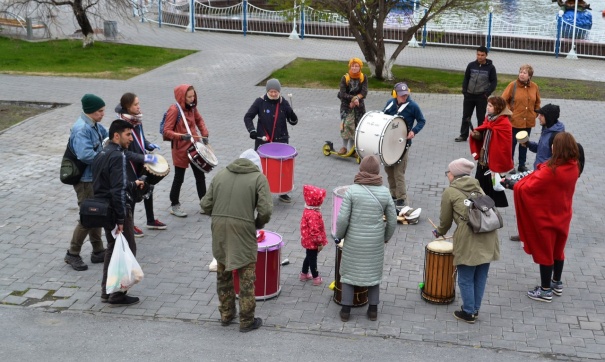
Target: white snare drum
(381, 135)
(157, 171)
(202, 157)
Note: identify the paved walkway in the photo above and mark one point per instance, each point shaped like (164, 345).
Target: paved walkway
(38, 213)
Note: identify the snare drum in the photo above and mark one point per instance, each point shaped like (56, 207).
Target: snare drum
(439, 273)
(360, 294)
(155, 172)
(202, 157)
(268, 268)
(277, 160)
(381, 135)
(337, 196)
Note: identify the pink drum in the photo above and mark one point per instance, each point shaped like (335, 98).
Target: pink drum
(268, 268)
(337, 196)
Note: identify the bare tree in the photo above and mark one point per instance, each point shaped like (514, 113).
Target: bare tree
(83, 11)
(366, 23)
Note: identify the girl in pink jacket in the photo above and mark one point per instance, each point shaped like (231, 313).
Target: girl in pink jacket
(312, 232)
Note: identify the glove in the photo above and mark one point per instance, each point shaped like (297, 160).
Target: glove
(153, 146)
(186, 137)
(293, 121)
(253, 134)
(149, 158)
(436, 233)
(205, 140)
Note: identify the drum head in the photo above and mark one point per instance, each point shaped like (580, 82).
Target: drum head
(441, 246)
(521, 135)
(276, 150)
(340, 191)
(273, 241)
(206, 153)
(161, 168)
(393, 141)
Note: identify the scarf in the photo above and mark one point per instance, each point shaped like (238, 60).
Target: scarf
(134, 120)
(355, 61)
(366, 178)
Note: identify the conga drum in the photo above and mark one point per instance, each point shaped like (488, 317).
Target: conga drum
(337, 196)
(439, 273)
(277, 160)
(360, 294)
(268, 268)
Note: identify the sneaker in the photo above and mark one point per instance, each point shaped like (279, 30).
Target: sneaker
(465, 317)
(512, 172)
(515, 238)
(476, 315)
(75, 261)
(104, 298)
(138, 233)
(255, 325)
(399, 203)
(345, 313)
(557, 287)
(176, 210)
(540, 294)
(98, 257)
(317, 281)
(156, 225)
(304, 277)
(343, 151)
(122, 300)
(522, 168)
(460, 139)
(285, 198)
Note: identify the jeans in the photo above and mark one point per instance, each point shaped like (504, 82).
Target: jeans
(522, 150)
(179, 177)
(84, 191)
(471, 281)
(476, 102)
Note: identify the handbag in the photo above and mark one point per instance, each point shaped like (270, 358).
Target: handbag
(483, 216)
(96, 213)
(72, 169)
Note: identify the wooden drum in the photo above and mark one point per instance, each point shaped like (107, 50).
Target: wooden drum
(360, 294)
(439, 273)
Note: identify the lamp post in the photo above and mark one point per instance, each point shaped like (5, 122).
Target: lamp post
(294, 34)
(572, 52)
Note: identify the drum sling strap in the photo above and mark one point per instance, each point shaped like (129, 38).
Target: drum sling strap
(141, 143)
(274, 123)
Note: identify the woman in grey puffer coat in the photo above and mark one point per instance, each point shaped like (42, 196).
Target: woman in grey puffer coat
(360, 223)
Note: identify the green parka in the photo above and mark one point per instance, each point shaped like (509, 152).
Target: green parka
(232, 198)
(469, 248)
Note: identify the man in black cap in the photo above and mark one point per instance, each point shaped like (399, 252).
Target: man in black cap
(86, 141)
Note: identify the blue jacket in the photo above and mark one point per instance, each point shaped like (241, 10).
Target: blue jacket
(543, 149)
(409, 114)
(86, 141)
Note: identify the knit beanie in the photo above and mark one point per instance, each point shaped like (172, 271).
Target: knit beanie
(273, 84)
(91, 103)
(370, 164)
(251, 155)
(461, 167)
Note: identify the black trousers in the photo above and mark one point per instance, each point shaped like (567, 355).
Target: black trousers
(310, 263)
(476, 102)
(128, 232)
(179, 177)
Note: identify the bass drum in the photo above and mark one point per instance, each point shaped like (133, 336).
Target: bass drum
(381, 135)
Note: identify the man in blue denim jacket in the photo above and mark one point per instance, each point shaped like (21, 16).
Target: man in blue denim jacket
(86, 141)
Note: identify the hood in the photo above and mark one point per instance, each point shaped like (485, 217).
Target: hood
(551, 114)
(466, 184)
(179, 95)
(487, 62)
(242, 165)
(251, 155)
(314, 196)
(555, 128)
(506, 112)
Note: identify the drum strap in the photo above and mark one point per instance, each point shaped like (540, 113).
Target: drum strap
(186, 123)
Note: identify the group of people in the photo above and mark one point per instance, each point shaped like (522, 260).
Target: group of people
(239, 199)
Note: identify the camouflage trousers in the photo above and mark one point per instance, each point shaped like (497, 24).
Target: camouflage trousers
(226, 293)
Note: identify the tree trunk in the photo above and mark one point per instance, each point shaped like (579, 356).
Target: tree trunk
(82, 18)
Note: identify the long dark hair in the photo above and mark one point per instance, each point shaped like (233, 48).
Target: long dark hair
(127, 100)
(564, 149)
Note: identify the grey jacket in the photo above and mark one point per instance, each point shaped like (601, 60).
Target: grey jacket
(360, 223)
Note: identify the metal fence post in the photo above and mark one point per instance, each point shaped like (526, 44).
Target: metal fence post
(192, 15)
(302, 20)
(160, 13)
(424, 32)
(245, 18)
(28, 26)
(489, 29)
(558, 36)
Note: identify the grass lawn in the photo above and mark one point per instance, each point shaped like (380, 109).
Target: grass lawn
(68, 58)
(311, 73)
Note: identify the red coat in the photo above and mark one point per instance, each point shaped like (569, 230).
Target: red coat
(173, 129)
(500, 153)
(543, 204)
(312, 229)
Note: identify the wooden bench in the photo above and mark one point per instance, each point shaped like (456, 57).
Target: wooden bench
(15, 21)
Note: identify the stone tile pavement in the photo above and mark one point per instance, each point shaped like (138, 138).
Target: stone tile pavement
(38, 213)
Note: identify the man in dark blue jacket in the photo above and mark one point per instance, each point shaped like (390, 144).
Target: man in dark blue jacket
(480, 80)
(114, 179)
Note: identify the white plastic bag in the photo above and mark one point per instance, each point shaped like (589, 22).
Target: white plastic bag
(496, 182)
(213, 265)
(124, 271)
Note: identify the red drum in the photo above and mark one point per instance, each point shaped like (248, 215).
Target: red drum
(277, 160)
(439, 273)
(337, 196)
(268, 268)
(202, 157)
(360, 294)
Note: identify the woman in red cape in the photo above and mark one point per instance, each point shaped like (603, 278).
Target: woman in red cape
(543, 202)
(492, 145)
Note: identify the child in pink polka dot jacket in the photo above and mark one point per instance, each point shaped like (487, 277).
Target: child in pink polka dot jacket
(312, 232)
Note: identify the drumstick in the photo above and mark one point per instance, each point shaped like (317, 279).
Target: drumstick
(432, 223)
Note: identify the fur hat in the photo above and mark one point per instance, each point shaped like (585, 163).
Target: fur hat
(91, 103)
(273, 84)
(461, 167)
(370, 164)
(551, 114)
